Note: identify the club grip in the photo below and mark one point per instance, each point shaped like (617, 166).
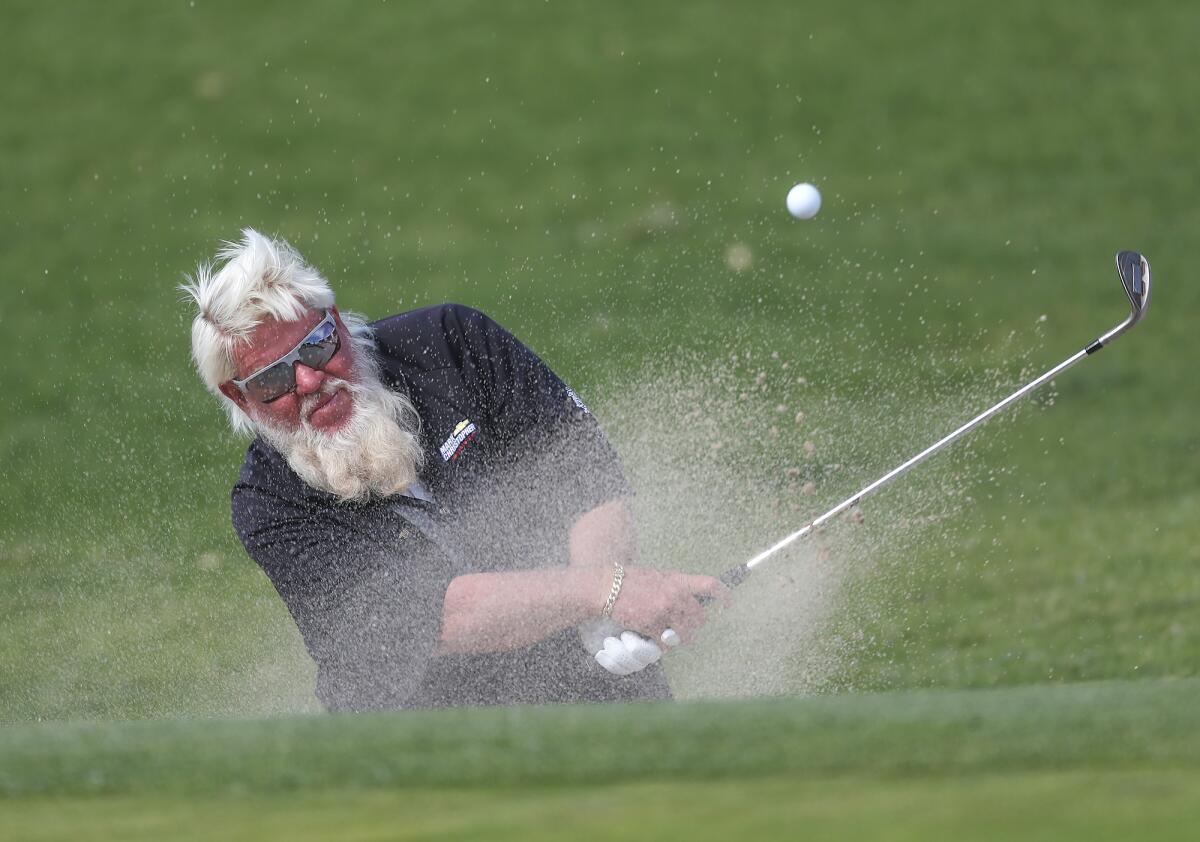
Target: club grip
(732, 577)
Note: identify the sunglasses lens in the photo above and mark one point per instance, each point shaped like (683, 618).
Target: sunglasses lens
(319, 348)
(270, 384)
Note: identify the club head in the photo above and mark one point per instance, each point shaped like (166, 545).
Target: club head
(1135, 277)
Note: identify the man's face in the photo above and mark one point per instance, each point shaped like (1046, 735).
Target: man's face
(326, 408)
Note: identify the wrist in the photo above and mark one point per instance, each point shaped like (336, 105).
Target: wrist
(614, 590)
(591, 587)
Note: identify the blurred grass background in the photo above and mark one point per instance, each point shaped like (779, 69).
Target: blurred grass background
(607, 181)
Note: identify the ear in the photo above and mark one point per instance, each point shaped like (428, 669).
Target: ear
(337, 318)
(234, 394)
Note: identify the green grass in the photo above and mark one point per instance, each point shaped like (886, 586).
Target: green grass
(1048, 806)
(1104, 761)
(580, 171)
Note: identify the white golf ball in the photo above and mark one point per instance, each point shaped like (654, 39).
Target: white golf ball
(803, 201)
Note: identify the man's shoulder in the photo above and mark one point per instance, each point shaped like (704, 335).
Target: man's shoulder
(269, 492)
(433, 337)
(264, 475)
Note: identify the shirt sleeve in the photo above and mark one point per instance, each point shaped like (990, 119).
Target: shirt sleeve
(365, 588)
(540, 416)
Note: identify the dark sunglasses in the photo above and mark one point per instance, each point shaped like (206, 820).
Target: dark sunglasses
(277, 379)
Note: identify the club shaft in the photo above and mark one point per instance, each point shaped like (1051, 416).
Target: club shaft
(857, 497)
(1134, 271)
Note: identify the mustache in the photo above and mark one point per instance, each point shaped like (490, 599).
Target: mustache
(310, 403)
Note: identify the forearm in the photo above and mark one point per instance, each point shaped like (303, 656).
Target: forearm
(603, 536)
(494, 612)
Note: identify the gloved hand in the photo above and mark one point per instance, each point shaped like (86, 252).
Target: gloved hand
(619, 651)
(627, 654)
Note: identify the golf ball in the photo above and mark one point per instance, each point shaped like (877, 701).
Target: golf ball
(803, 201)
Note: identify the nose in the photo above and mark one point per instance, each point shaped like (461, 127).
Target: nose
(308, 380)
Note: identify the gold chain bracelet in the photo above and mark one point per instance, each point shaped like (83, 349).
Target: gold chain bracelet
(614, 592)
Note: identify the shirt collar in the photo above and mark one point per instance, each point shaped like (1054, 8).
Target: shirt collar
(418, 491)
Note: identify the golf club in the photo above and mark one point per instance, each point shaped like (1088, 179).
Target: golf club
(1135, 278)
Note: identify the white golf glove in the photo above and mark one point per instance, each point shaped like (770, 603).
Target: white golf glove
(627, 654)
(622, 652)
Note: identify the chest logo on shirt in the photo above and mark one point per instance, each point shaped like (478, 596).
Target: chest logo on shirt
(463, 433)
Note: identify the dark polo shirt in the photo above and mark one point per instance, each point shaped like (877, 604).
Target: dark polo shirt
(513, 458)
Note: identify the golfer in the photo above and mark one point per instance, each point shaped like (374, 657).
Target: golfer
(441, 514)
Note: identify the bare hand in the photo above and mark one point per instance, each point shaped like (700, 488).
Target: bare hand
(653, 601)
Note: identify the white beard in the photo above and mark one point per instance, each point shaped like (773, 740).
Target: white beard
(376, 451)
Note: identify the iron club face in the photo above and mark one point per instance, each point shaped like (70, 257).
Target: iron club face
(1134, 270)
